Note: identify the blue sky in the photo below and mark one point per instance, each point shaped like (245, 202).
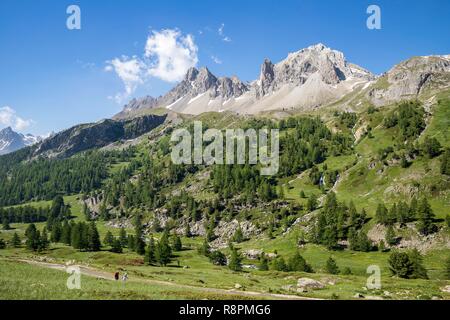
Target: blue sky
(52, 78)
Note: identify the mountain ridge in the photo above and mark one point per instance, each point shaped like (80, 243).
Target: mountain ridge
(11, 141)
(305, 80)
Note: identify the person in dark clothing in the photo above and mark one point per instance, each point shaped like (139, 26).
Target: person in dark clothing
(116, 276)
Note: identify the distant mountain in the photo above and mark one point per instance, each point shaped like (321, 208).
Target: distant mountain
(305, 79)
(11, 141)
(95, 135)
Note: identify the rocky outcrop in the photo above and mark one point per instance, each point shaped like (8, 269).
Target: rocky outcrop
(411, 78)
(96, 135)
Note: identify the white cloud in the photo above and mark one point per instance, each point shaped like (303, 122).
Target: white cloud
(131, 71)
(168, 55)
(222, 26)
(171, 54)
(9, 118)
(216, 60)
(221, 33)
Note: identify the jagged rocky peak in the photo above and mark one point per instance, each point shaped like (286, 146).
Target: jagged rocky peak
(11, 141)
(145, 102)
(295, 70)
(230, 87)
(203, 81)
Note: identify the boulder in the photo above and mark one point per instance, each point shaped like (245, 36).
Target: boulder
(307, 283)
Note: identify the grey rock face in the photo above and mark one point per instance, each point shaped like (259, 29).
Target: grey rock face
(299, 66)
(411, 78)
(96, 135)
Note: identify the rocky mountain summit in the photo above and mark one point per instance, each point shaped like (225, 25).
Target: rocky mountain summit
(307, 78)
(410, 78)
(11, 141)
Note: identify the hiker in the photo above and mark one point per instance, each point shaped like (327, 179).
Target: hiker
(125, 277)
(116, 276)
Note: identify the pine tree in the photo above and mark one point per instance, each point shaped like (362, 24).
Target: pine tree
(131, 242)
(150, 252)
(400, 264)
(177, 245)
(204, 249)
(218, 258)
(163, 250)
(279, 264)
(238, 235)
(381, 214)
(331, 266)
(390, 236)
(139, 244)
(56, 232)
(16, 240)
(93, 238)
(298, 263)
(76, 240)
(66, 233)
(5, 222)
(311, 204)
(302, 194)
(425, 216)
(109, 239)
(86, 212)
(116, 246)
(33, 237)
(235, 261)
(123, 237)
(187, 231)
(419, 271)
(364, 243)
(2, 244)
(263, 263)
(43, 240)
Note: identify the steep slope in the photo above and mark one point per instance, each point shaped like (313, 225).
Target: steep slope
(95, 135)
(410, 79)
(11, 141)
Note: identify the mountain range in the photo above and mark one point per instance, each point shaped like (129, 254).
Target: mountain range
(11, 141)
(305, 80)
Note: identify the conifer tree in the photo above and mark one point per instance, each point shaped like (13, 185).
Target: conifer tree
(16, 240)
(204, 249)
(66, 233)
(263, 263)
(235, 261)
(93, 237)
(298, 263)
(331, 266)
(123, 237)
(5, 222)
(150, 252)
(238, 235)
(33, 237)
(43, 240)
(425, 216)
(131, 242)
(109, 239)
(116, 246)
(86, 212)
(2, 244)
(418, 270)
(390, 237)
(177, 245)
